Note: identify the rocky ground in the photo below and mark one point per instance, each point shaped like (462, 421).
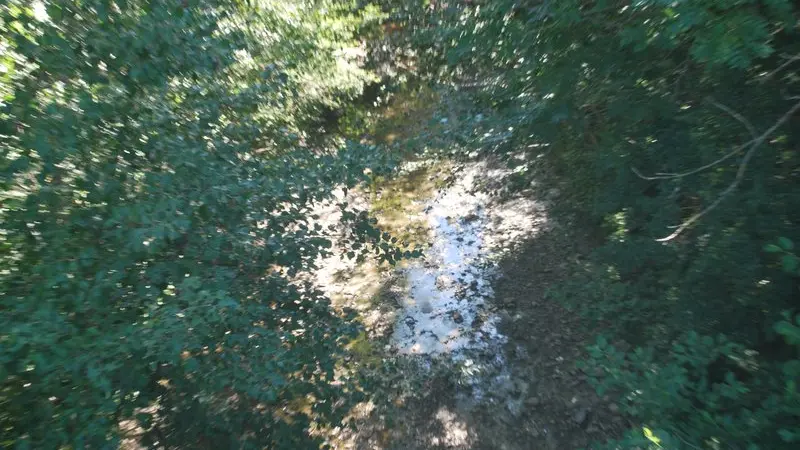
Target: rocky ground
(467, 351)
(483, 359)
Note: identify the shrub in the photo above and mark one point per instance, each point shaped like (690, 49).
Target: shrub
(156, 193)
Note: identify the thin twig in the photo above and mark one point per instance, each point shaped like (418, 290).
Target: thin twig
(750, 128)
(684, 440)
(739, 174)
(719, 199)
(789, 60)
(668, 176)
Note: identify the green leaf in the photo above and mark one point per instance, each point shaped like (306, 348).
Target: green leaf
(772, 248)
(789, 331)
(789, 436)
(790, 263)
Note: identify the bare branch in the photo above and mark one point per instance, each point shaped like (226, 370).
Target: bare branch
(682, 227)
(668, 176)
(789, 60)
(739, 174)
(750, 128)
(778, 124)
(644, 177)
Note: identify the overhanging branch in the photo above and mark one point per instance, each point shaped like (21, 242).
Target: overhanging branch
(755, 144)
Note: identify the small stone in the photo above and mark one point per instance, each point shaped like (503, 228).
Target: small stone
(470, 218)
(521, 386)
(581, 416)
(457, 317)
(443, 282)
(426, 307)
(533, 401)
(614, 408)
(514, 407)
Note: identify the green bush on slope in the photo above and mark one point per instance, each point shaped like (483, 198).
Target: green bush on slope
(156, 183)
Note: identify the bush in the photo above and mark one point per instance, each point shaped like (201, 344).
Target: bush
(155, 213)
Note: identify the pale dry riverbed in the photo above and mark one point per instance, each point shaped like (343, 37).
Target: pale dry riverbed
(467, 350)
(440, 310)
(442, 301)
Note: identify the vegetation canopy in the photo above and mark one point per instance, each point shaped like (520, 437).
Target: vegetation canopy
(157, 175)
(161, 162)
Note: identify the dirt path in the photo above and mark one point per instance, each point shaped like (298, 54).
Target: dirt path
(470, 353)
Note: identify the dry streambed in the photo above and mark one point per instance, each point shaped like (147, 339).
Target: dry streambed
(440, 304)
(440, 308)
(477, 358)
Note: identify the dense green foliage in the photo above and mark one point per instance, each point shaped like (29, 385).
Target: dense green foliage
(160, 160)
(158, 166)
(657, 114)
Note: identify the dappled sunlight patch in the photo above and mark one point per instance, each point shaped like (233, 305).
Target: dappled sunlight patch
(432, 306)
(436, 309)
(455, 433)
(515, 221)
(397, 202)
(446, 309)
(364, 284)
(407, 113)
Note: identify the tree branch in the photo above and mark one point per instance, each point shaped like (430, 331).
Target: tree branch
(750, 128)
(756, 143)
(789, 60)
(667, 176)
